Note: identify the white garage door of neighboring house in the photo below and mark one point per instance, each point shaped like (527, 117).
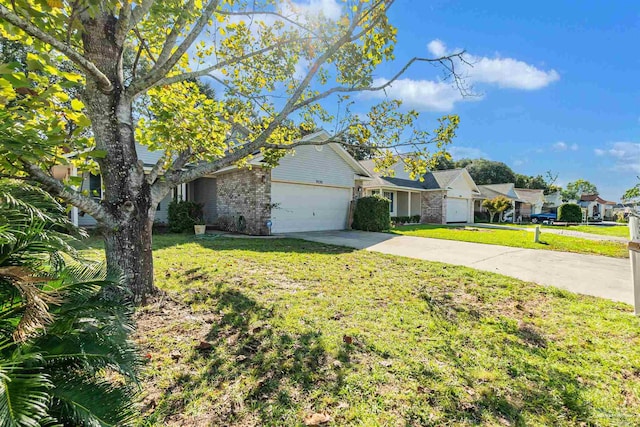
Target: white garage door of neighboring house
(457, 210)
(301, 207)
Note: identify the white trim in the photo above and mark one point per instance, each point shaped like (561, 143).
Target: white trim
(313, 184)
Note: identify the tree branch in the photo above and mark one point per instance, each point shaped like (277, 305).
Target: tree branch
(160, 70)
(87, 204)
(88, 66)
(137, 87)
(139, 12)
(345, 89)
(173, 36)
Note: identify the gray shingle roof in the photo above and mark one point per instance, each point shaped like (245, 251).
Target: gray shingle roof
(436, 180)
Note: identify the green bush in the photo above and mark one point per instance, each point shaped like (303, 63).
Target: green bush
(183, 215)
(65, 354)
(372, 214)
(569, 212)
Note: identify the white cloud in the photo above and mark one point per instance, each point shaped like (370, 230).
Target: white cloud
(509, 73)
(437, 95)
(563, 146)
(625, 155)
(437, 48)
(330, 9)
(419, 94)
(503, 72)
(519, 162)
(458, 152)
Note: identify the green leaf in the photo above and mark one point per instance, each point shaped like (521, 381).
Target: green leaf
(77, 105)
(97, 154)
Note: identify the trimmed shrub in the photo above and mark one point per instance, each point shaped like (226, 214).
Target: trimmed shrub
(372, 214)
(183, 215)
(569, 212)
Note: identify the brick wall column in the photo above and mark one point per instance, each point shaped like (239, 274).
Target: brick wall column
(246, 193)
(433, 207)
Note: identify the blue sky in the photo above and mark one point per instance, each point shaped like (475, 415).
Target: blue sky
(558, 83)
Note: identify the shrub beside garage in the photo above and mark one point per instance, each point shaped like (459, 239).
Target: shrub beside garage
(372, 214)
(569, 212)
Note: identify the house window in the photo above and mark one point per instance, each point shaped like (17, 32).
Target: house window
(180, 193)
(389, 195)
(95, 186)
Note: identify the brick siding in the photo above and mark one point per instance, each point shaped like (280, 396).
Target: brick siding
(434, 208)
(246, 192)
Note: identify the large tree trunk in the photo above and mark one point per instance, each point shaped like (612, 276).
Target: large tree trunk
(127, 194)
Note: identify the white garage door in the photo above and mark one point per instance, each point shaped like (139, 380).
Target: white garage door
(457, 210)
(308, 207)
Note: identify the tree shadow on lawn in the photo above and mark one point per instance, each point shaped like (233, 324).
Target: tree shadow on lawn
(280, 245)
(257, 374)
(534, 387)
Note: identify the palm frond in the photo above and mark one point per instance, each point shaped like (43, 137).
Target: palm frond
(90, 402)
(23, 393)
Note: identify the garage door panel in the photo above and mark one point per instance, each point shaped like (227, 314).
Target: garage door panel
(301, 207)
(457, 210)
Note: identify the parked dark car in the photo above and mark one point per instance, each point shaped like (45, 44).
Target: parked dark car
(550, 217)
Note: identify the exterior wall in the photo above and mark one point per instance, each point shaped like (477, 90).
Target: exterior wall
(84, 219)
(204, 192)
(162, 213)
(399, 171)
(460, 188)
(415, 204)
(245, 192)
(314, 165)
(525, 210)
(434, 208)
(402, 203)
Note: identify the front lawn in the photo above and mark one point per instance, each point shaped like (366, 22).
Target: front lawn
(515, 238)
(270, 332)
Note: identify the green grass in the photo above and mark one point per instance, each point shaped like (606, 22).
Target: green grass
(603, 230)
(614, 230)
(516, 238)
(432, 344)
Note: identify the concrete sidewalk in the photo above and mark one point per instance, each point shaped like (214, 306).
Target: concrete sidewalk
(584, 274)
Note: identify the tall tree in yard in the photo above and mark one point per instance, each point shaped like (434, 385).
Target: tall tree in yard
(132, 65)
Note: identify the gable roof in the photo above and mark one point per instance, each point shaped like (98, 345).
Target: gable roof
(530, 196)
(494, 190)
(388, 181)
(595, 198)
(436, 180)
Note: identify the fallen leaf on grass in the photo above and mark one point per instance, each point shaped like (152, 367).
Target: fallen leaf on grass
(204, 346)
(316, 419)
(347, 339)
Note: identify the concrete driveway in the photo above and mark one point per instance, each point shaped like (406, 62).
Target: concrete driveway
(584, 274)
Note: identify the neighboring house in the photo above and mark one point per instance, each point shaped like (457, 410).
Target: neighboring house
(441, 197)
(532, 201)
(494, 190)
(596, 206)
(310, 190)
(524, 201)
(552, 202)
